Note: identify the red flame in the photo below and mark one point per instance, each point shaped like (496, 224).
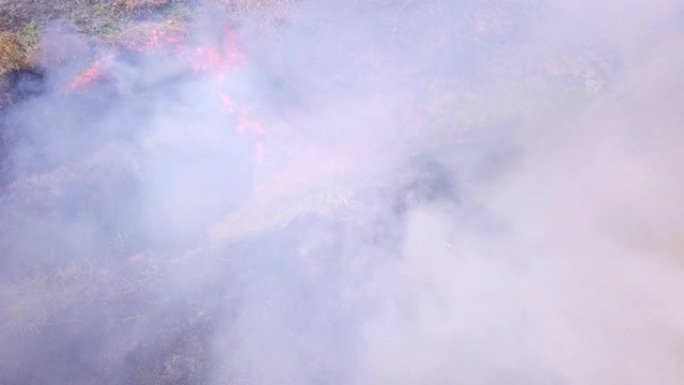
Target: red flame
(89, 75)
(220, 60)
(159, 38)
(205, 59)
(217, 60)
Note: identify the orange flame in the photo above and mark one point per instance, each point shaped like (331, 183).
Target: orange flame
(218, 60)
(158, 38)
(88, 76)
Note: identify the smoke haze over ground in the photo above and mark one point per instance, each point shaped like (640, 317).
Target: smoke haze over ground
(343, 192)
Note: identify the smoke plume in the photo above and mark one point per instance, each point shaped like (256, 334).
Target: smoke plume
(348, 192)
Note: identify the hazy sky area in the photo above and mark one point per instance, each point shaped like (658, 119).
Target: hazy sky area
(353, 192)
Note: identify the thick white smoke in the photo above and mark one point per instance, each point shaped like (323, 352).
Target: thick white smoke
(401, 192)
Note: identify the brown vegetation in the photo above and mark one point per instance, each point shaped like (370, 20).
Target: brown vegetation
(13, 55)
(134, 5)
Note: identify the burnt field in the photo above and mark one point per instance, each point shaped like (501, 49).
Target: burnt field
(340, 192)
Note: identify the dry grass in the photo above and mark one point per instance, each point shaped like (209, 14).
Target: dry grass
(148, 34)
(13, 55)
(265, 14)
(5, 94)
(135, 5)
(253, 5)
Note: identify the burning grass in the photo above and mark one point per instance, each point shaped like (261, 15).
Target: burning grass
(146, 35)
(63, 295)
